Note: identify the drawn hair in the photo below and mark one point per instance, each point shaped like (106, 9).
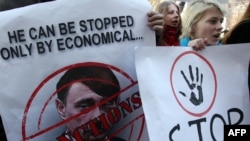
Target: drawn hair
(100, 80)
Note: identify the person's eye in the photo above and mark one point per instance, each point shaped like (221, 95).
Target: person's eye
(222, 20)
(84, 106)
(212, 21)
(170, 12)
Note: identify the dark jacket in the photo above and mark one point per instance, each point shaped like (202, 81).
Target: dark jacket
(241, 34)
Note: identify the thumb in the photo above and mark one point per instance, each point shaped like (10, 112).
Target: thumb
(205, 40)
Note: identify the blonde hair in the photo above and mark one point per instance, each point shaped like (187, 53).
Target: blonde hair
(163, 6)
(194, 12)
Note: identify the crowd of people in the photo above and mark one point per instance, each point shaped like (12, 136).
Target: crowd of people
(199, 25)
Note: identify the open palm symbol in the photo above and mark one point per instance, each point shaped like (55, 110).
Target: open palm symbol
(194, 85)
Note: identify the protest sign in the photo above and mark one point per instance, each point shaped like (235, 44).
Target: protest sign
(62, 26)
(189, 95)
(41, 43)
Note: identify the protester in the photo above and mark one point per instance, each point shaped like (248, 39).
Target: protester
(86, 91)
(155, 22)
(171, 24)
(202, 24)
(240, 33)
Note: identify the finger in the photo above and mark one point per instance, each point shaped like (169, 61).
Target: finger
(155, 17)
(205, 41)
(196, 47)
(202, 45)
(158, 29)
(156, 26)
(150, 13)
(156, 23)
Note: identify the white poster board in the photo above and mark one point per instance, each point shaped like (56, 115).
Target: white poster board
(40, 42)
(189, 95)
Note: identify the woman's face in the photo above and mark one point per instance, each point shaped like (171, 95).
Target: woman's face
(172, 16)
(209, 26)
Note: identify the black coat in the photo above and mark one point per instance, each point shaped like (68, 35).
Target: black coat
(241, 34)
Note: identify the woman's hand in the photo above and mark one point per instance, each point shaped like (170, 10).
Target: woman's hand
(198, 44)
(155, 22)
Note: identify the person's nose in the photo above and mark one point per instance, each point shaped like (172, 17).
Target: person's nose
(219, 26)
(177, 14)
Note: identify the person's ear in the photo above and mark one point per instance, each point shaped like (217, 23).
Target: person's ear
(60, 108)
(192, 35)
(193, 29)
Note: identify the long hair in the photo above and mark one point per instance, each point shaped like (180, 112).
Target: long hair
(162, 7)
(245, 17)
(194, 12)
